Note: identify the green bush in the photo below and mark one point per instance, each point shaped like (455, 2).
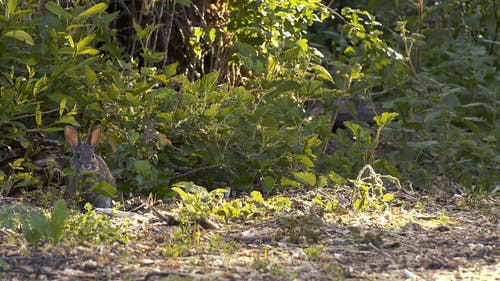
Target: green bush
(449, 126)
(65, 66)
(444, 86)
(42, 227)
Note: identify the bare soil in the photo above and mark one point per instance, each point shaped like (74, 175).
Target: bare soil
(452, 238)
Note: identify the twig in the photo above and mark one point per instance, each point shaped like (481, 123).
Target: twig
(35, 114)
(194, 171)
(169, 32)
(168, 220)
(166, 274)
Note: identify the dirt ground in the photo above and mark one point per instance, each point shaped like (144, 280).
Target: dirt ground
(453, 238)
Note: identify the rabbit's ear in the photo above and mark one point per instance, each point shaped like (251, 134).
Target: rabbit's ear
(94, 137)
(71, 135)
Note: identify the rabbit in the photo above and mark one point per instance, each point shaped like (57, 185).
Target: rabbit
(84, 159)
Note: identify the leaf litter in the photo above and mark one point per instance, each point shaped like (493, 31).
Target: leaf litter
(422, 239)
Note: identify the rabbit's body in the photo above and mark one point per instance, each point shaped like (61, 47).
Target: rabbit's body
(84, 160)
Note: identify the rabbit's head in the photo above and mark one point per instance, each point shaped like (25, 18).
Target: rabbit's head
(83, 153)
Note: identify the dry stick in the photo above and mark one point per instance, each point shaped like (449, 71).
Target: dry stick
(37, 273)
(124, 6)
(134, 43)
(169, 32)
(194, 171)
(332, 121)
(420, 28)
(336, 113)
(201, 61)
(159, 16)
(169, 220)
(167, 274)
(495, 38)
(34, 114)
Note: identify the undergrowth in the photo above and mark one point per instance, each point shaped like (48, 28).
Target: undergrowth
(238, 118)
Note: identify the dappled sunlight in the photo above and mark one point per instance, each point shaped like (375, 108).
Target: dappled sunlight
(433, 241)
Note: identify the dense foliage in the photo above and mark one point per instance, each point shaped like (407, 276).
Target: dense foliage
(448, 102)
(222, 101)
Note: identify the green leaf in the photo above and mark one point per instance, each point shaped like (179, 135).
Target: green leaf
(359, 204)
(244, 182)
(257, 197)
(70, 40)
(303, 44)
(208, 82)
(304, 160)
(323, 181)
(40, 86)
(422, 144)
(58, 220)
(35, 229)
(84, 42)
(39, 223)
(131, 99)
(433, 115)
(52, 129)
(38, 115)
(305, 178)
(388, 197)
(11, 7)
(336, 178)
(62, 106)
(140, 33)
(212, 34)
(97, 8)
(68, 119)
(289, 183)
(469, 123)
(88, 51)
(57, 10)
(497, 159)
(171, 69)
(143, 167)
(322, 73)
(385, 118)
(392, 171)
(450, 99)
(90, 76)
(246, 50)
(186, 3)
(191, 187)
(268, 182)
(103, 188)
(20, 35)
(181, 192)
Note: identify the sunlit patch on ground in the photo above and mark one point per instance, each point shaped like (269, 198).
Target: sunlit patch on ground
(428, 241)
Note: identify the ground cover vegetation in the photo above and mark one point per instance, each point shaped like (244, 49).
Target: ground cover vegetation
(230, 111)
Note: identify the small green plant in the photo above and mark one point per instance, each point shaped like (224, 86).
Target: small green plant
(255, 205)
(369, 190)
(336, 272)
(196, 202)
(314, 251)
(41, 227)
(302, 228)
(20, 175)
(218, 245)
(93, 228)
(329, 203)
(182, 242)
(361, 147)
